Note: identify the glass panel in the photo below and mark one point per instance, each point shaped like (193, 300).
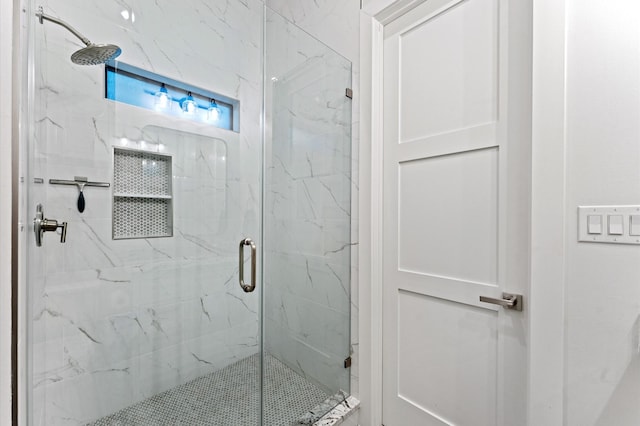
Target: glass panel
(307, 225)
(151, 330)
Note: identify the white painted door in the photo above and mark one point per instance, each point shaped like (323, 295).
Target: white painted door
(455, 222)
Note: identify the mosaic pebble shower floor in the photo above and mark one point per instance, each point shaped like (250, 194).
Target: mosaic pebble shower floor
(227, 397)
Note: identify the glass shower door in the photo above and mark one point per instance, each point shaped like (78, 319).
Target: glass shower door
(139, 318)
(307, 226)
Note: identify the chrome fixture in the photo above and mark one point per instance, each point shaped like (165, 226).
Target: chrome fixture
(248, 288)
(348, 93)
(80, 182)
(42, 225)
(509, 301)
(92, 54)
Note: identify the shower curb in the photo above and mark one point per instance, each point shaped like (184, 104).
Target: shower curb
(340, 413)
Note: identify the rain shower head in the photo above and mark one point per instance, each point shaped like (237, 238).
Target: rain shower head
(95, 54)
(92, 54)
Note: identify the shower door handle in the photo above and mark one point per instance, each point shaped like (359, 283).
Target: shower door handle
(248, 288)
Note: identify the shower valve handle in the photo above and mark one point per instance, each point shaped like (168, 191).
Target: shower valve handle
(42, 225)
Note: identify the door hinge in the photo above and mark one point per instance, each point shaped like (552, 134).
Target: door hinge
(347, 362)
(349, 93)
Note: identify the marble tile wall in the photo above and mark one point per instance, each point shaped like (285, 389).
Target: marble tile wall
(114, 322)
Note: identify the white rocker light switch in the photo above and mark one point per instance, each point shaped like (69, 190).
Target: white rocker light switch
(634, 225)
(594, 224)
(615, 224)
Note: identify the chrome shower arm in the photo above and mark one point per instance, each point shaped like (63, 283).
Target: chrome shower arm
(42, 17)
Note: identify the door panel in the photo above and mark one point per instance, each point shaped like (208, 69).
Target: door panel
(455, 138)
(448, 68)
(453, 219)
(463, 358)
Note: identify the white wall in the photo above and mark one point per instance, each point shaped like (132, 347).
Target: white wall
(602, 168)
(6, 39)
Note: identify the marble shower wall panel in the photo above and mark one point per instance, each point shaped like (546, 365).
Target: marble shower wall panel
(115, 322)
(308, 206)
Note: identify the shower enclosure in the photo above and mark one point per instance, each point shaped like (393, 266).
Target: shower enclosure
(219, 148)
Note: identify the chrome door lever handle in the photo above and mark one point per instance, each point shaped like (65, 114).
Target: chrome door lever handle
(509, 301)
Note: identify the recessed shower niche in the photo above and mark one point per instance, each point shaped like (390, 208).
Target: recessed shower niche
(142, 194)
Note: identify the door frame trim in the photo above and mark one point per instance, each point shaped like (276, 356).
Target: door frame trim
(8, 220)
(374, 15)
(548, 216)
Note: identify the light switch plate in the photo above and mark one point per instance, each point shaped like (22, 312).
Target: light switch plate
(609, 214)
